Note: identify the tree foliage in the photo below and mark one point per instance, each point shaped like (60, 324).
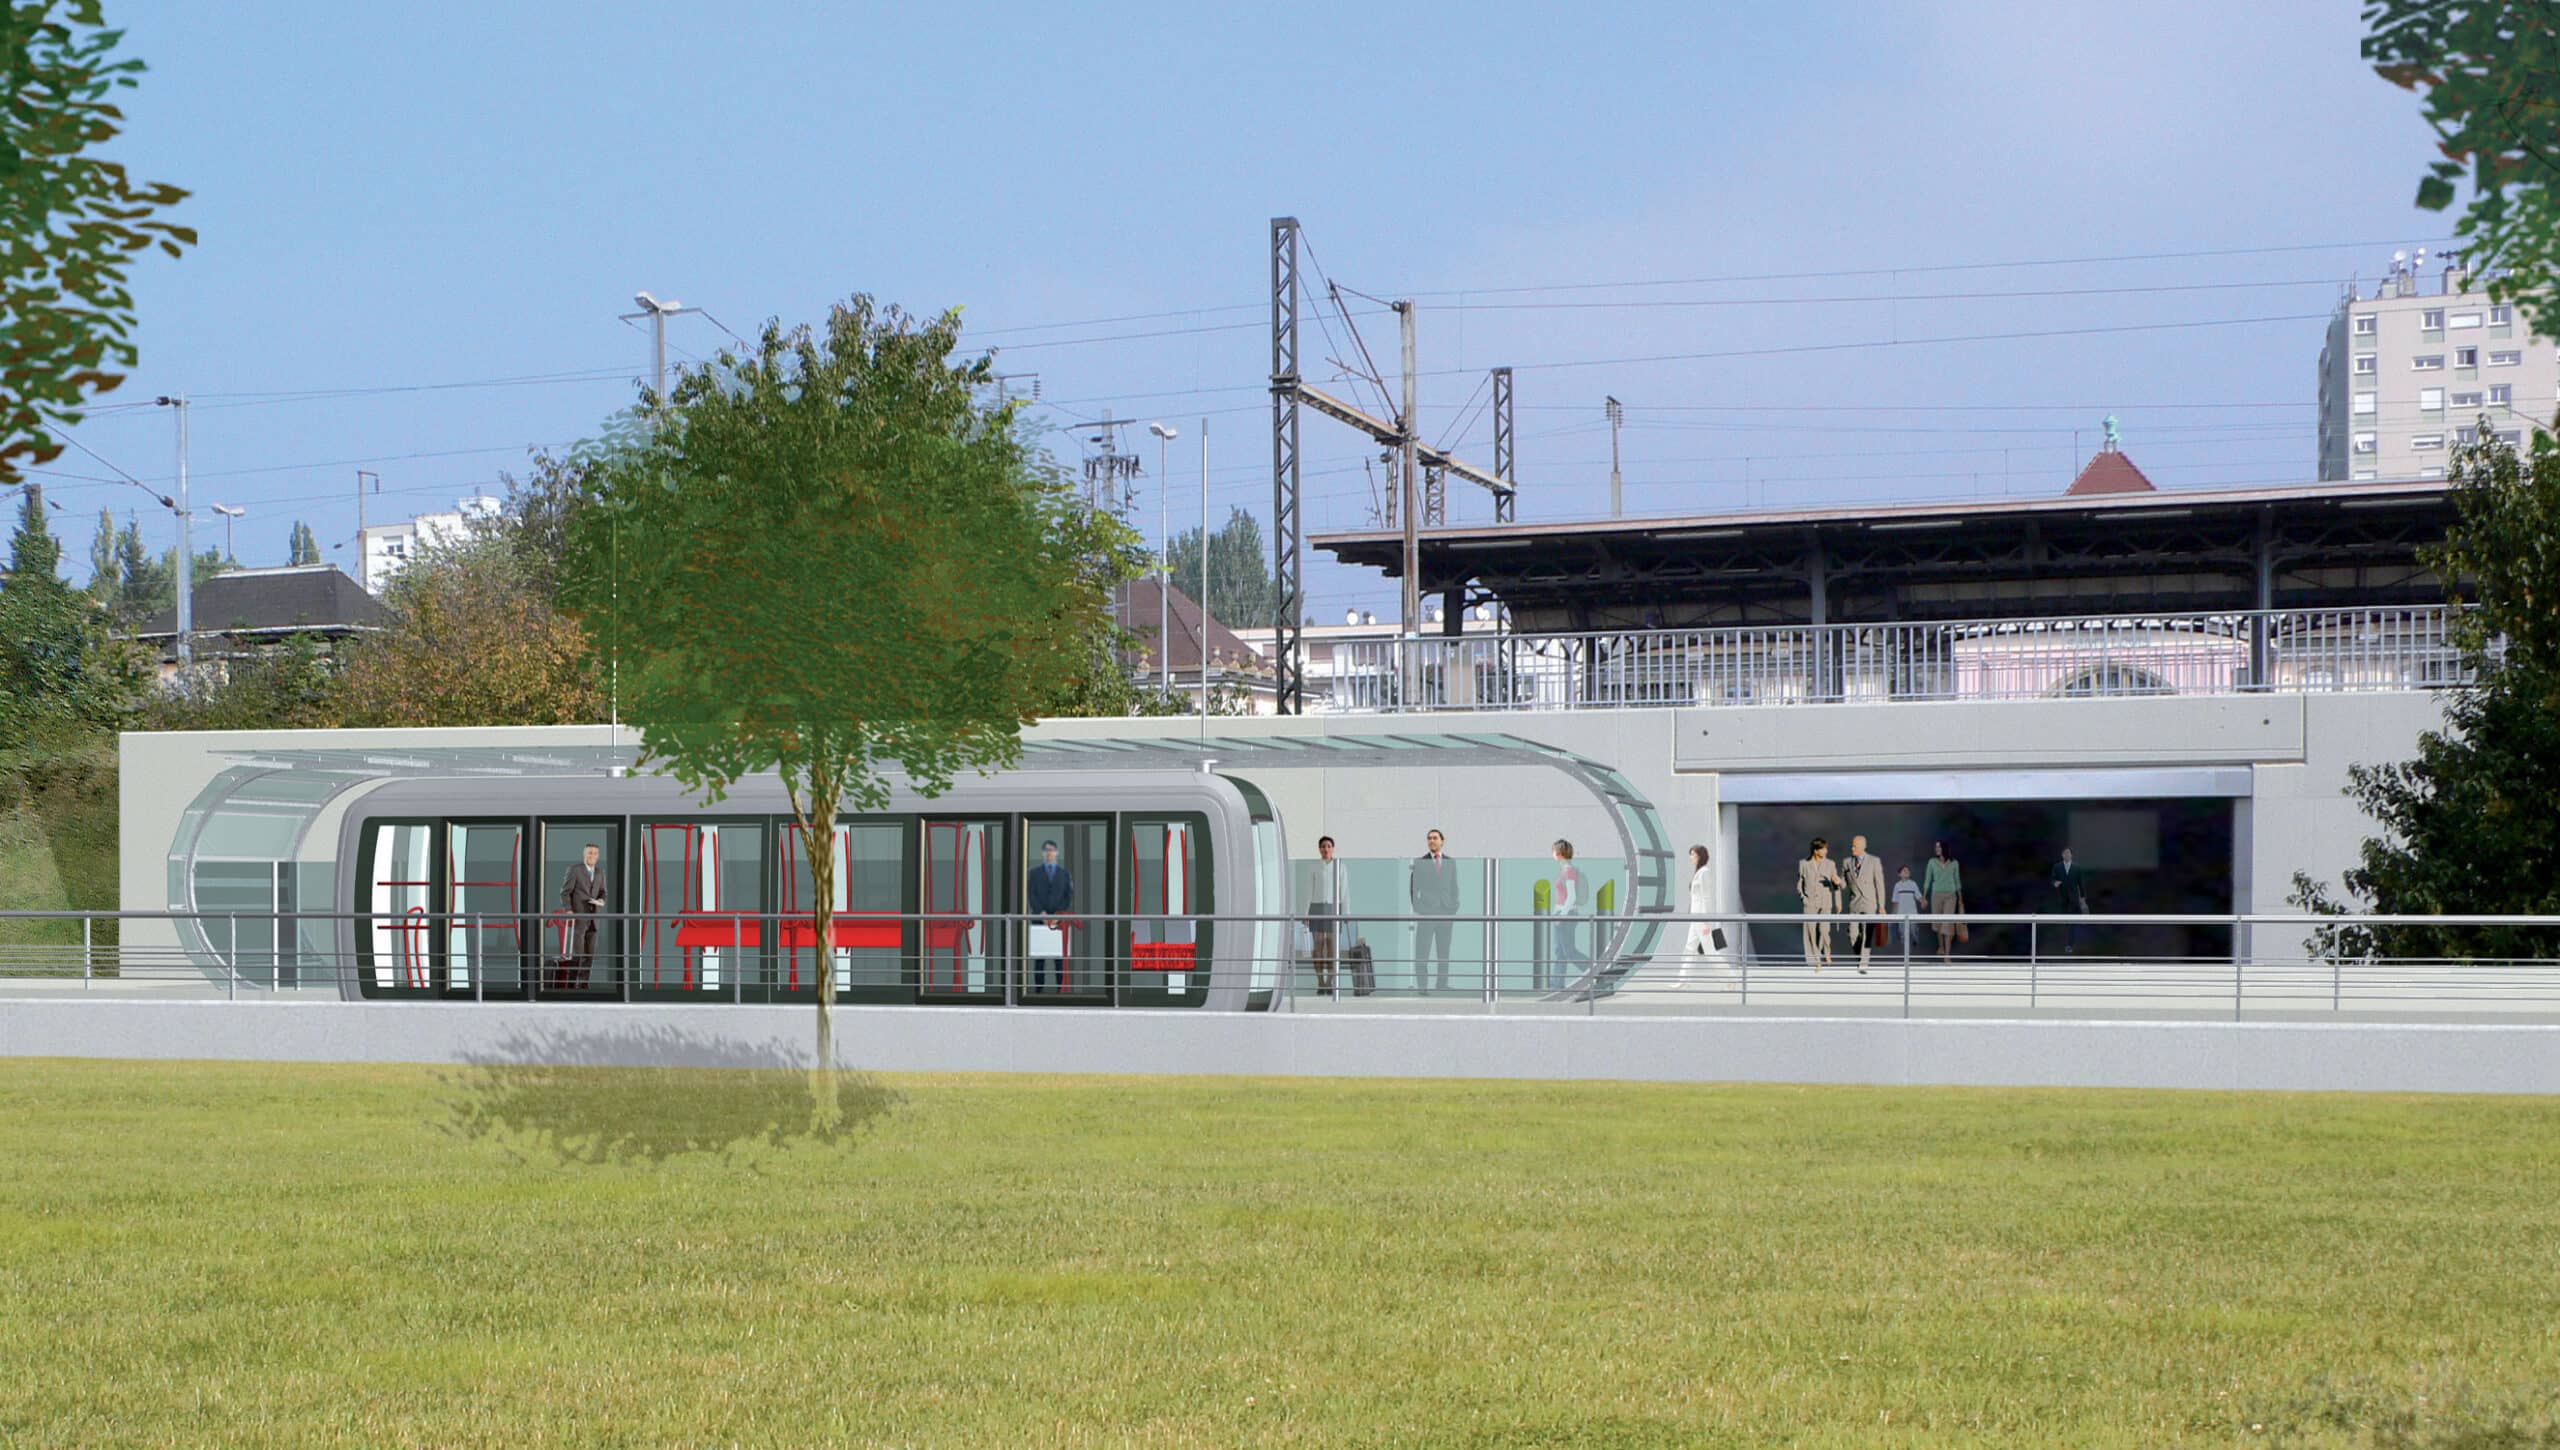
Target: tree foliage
(70, 222)
(2467, 823)
(472, 640)
(1240, 593)
(302, 546)
(828, 560)
(2490, 78)
(60, 673)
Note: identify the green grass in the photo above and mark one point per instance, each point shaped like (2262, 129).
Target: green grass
(196, 1253)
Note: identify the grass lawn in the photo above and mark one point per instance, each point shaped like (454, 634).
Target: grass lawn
(220, 1253)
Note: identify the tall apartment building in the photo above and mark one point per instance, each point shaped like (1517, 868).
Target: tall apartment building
(385, 549)
(2409, 371)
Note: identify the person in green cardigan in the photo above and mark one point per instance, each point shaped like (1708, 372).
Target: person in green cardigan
(1942, 880)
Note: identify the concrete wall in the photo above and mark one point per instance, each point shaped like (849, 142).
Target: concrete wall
(2282, 1056)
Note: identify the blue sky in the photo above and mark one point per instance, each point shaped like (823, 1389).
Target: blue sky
(393, 197)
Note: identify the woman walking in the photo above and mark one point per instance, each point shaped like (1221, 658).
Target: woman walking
(1943, 881)
(1818, 888)
(1704, 940)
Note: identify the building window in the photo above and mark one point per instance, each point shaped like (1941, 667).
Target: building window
(2364, 402)
(2424, 441)
(2432, 470)
(2466, 357)
(2501, 316)
(2366, 364)
(2465, 319)
(2365, 325)
(2466, 436)
(2512, 440)
(2502, 394)
(2432, 319)
(2427, 362)
(2363, 475)
(2466, 400)
(2365, 443)
(2505, 359)
(2431, 400)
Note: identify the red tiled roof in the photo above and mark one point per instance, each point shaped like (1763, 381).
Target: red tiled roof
(2110, 472)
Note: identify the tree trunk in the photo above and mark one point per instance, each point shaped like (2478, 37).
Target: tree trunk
(820, 830)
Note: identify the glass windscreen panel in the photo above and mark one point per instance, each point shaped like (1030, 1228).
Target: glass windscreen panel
(582, 937)
(398, 906)
(248, 908)
(1163, 872)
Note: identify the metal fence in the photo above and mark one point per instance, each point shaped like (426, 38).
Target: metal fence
(2279, 651)
(2269, 964)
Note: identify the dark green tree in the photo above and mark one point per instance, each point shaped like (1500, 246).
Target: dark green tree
(71, 223)
(104, 579)
(2467, 823)
(1240, 595)
(302, 546)
(2490, 78)
(60, 675)
(829, 559)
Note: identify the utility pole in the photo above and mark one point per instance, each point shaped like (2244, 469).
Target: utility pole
(1204, 578)
(1617, 491)
(657, 312)
(186, 555)
(1407, 504)
(1165, 434)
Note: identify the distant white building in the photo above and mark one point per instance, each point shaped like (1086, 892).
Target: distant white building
(2409, 371)
(387, 548)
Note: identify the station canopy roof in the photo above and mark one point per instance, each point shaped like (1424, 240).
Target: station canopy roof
(2116, 548)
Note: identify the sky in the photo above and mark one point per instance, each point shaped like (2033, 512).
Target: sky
(421, 226)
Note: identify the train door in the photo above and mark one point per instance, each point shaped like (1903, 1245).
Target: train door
(1066, 883)
(965, 949)
(582, 946)
(397, 936)
(486, 947)
(1168, 956)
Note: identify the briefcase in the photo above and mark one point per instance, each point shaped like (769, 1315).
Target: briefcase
(1363, 968)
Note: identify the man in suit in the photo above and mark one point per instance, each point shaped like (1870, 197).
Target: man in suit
(1050, 893)
(1433, 889)
(1862, 882)
(2071, 884)
(582, 896)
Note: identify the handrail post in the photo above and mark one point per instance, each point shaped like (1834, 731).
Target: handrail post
(2236, 968)
(478, 955)
(88, 937)
(1744, 928)
(234, 963)
(2032, 961)
(1906, 986)
(737, 953)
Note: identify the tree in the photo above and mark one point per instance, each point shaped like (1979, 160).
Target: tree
(1240, 594)
(288, 686)
(2466, 825)
(71, 223)
(539, 507)
(2490, 76)
(826, 559)
(302, 546)
(104, 579)
(60, 674)
(140, 579)
(472, 640)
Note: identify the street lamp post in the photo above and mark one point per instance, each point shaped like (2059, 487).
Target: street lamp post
(186, 553)
(229, 514)
(1165, 434)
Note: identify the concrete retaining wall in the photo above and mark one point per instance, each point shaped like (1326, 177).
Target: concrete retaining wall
(2394, 1057)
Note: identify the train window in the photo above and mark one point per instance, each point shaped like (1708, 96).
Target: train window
(1066, 875)
(964, 953)
(870, 892)
(484, 899)
(248, 921)
(403, 939)
(701, 904)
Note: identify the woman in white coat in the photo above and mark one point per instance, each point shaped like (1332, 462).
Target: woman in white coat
(1701, 945)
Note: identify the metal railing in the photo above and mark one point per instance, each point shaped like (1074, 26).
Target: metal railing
(2242, 964)
(2272, 651)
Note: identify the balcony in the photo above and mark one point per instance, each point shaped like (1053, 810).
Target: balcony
(2298, 651)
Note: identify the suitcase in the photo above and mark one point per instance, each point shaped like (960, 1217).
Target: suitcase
(1363, 968)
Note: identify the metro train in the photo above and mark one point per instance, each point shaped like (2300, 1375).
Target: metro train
(457, 889)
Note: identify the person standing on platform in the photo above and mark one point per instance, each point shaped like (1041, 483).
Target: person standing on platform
(1324, 911)
(582, 896)
(2071, 885)
(1704, 939)
(1906, 904)
(1942, 881)
(1049, 896)
(1862, 876)
(1818, 889)
(1566, 904)
(1433, 891)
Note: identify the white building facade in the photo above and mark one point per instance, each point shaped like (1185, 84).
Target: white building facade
(386, 549)
(2408, 373)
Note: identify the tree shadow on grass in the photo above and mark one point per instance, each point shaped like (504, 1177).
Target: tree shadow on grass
(2442, 1413)
(645, 1095)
